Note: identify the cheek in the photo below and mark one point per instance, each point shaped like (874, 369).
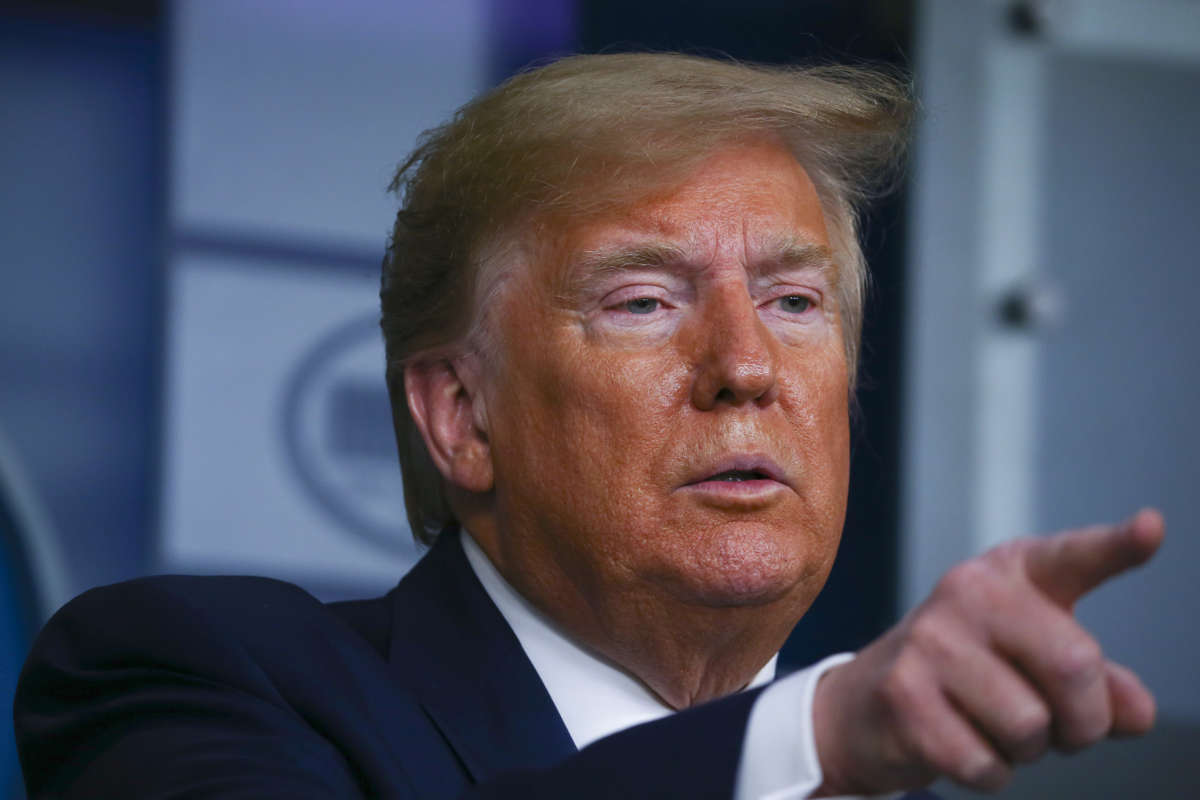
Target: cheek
(581, 437)
(829, 399)
(816, 400)
(570, 419)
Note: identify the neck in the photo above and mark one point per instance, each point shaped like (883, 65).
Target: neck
(688, 657)
(685, 652)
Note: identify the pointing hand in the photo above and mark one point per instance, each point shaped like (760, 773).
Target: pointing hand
(990, 671)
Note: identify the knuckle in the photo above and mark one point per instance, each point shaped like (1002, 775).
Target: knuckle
(1031, 721)
(1010, 554)
(1029, 733)
(1085, 729)
(963, 577)
(1079, 662)
(989, 775)
(967, 582)
(933, 636)
(903, 686)
(979, 769)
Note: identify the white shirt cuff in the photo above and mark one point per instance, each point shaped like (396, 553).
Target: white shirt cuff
(779, 752)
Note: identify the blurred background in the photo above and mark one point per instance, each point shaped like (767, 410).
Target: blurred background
(193, 211)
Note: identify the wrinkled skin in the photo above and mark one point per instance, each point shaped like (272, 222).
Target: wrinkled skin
(617, 387)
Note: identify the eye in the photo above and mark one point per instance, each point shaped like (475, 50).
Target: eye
(795, 303)
(641, 305)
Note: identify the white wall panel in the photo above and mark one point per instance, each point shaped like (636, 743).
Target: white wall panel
(289, 117)
(265, 472)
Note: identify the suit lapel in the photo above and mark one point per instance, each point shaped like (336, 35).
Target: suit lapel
(471, 676)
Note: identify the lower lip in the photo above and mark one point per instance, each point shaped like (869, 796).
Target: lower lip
(760, 487)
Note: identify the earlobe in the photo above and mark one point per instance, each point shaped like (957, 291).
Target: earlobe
(446, 407)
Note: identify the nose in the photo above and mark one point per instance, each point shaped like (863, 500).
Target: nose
(735, 353)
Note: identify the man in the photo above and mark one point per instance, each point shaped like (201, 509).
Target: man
(621, 309)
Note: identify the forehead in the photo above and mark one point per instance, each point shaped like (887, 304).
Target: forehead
(752, 202)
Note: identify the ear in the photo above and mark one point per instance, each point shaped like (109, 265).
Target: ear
(447, 407)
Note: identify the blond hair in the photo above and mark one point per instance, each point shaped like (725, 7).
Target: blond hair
(586, 134)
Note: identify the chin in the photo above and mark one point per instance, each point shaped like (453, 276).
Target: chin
(745, 565)
(741, 590)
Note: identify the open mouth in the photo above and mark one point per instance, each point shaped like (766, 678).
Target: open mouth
(737, 475)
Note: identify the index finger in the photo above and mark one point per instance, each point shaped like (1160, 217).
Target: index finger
(1068, 565)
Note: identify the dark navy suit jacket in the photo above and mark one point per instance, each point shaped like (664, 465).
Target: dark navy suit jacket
(231, 687)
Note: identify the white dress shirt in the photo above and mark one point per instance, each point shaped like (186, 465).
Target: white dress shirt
(596, 698)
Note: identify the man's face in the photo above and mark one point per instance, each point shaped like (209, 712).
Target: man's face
(667, 416)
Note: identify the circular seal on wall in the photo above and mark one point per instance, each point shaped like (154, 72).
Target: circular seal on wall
(337, 430)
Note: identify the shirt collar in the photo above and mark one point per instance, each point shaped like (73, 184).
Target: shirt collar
(593, 696)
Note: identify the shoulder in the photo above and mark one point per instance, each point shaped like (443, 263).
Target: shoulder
(228, 629)
(126, 682)
(202, 594)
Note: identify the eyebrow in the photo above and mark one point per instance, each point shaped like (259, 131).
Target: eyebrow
(604, 261)
(789, 253)
(593, 266)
